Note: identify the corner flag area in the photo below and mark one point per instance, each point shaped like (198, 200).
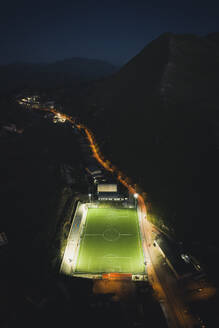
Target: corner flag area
(111, 242)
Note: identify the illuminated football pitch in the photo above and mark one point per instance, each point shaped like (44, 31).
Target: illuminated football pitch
(111, 242)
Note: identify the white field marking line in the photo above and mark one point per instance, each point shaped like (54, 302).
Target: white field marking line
(116, 258)
(93, 234)
(127, 234)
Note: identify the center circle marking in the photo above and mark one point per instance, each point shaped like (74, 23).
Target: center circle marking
(111, 234)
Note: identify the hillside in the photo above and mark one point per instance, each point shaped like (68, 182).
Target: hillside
(159, 115)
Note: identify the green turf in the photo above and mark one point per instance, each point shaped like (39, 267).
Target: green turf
(111, 242)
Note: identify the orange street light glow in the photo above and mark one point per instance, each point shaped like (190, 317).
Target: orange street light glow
(105, 163)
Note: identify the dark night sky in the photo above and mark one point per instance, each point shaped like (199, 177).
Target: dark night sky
(111, 30)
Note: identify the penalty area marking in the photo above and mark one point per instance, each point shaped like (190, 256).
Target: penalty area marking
(111, 263)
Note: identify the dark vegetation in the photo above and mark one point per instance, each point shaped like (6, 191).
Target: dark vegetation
(36, 202)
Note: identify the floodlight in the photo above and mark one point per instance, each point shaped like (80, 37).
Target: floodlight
(136, 195)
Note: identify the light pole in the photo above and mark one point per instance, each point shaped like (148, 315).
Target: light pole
(135, 197)
(89, 198)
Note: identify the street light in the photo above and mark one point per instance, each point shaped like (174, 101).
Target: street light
(89, 197)
(135, 196)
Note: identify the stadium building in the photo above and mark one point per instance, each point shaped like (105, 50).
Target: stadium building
(109, 192)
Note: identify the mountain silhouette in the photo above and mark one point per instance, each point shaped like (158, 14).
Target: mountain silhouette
(52, 75)
(159, 114)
